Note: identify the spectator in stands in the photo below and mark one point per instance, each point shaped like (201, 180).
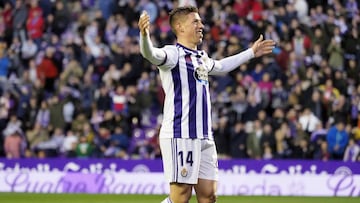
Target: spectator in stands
(337, 139)
(43, 115)
(267, 140)
(266, 85)
(83, 148)
(329, 92)
(283, 139)
(352, 151)
(61, 18)
(29, 49)
(301, 43)
(252, 109)
(4, 63)
(13, 125)
(279, 95)
(13, 145)
(318, 134)
(238, 138)
(222, 137)
(56, 110)
(68, 147)
(335, 51)
(119, 100)
(23, 102)
(72, 69)
(242, 7)
(253, 142)
(302, 149)
(308, 121)
(302, 9)
(47, 70)
(7, 14)
(36, 135)
(79, 122)
(35, 26)
(103, 143)
(31, 111)
(104, 100)
(52, 146)
(19, 19)
(111, 76)
(120, 142)
(68, 111)
(268, 153)
(322, 153)
(87, 96)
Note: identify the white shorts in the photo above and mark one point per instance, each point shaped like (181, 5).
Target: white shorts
(187, 160)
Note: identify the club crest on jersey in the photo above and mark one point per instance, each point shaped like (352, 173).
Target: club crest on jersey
(184, 172)
(201, 75)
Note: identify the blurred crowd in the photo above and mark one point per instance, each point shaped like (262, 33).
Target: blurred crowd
(74, 84)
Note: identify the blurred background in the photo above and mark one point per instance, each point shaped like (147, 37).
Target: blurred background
(77, 96)
(73, 83)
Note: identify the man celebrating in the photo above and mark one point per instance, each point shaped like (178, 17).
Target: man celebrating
(186, 140)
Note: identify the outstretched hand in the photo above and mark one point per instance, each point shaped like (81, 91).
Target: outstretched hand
(262, 47)
(144, 23)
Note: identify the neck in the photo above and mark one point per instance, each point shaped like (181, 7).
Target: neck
(187, 44)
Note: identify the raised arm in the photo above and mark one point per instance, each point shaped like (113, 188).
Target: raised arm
(260, 47)
(155, 55)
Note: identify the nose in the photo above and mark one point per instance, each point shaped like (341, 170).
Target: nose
(202, 25)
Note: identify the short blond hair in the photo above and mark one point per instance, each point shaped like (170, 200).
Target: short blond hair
(180, 12)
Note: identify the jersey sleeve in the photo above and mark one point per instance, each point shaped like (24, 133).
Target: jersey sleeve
(171, 57)
(220, 67)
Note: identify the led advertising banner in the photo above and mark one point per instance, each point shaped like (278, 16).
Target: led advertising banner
(236, 177)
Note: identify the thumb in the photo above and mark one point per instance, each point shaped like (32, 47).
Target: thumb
(260, 38)
(143, 13)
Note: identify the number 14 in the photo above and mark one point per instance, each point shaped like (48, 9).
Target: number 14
(189, 158)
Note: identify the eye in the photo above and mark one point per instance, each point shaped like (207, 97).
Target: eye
(196, 21)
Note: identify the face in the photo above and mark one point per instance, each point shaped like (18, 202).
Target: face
(192, 28)
(340, 126)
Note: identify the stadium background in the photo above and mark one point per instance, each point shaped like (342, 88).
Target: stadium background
(74, 85)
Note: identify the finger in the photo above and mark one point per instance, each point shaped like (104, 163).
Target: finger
(267, 51)
(144, 17)
(262, 53)
(144, 13)
(260, 38)
(266, 46)
(270, 47)
(268, 42)
(141, 24)
(144, 22)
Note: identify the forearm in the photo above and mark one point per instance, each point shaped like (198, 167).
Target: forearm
(228, 64)
(155, 55)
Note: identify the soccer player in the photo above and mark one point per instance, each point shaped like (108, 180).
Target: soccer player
(186, 140)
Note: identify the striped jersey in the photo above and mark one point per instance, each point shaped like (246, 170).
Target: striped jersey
(187, 109)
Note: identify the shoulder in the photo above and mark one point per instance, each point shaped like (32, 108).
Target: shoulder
(171, 58)
(170, 49)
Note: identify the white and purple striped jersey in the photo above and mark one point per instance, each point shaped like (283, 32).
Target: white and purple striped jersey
(187, 108)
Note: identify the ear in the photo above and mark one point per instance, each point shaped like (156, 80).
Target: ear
(179, 27)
